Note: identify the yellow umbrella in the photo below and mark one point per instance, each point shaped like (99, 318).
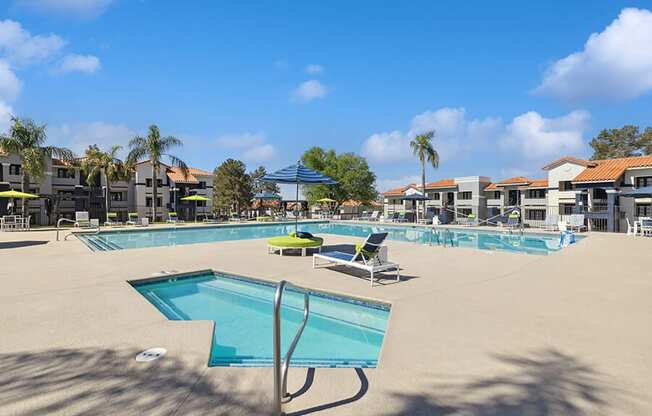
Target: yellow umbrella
(326, 200)
(17, 194)
(195, 198)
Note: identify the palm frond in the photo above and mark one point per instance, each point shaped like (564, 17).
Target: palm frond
(175, 161)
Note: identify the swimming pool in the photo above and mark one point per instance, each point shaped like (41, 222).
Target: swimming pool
(341, 331)
(541, 244)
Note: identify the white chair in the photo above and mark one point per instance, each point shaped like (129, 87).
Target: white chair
(82, 219)
(550, 223)
(374, 216)
(561, 226)
(646, 227)
(370, 256)
(577, 222)
(632, 229)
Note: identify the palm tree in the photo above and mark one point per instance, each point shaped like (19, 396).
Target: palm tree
(154, 147)
(422, 148)
(108, 166)
(27, 140)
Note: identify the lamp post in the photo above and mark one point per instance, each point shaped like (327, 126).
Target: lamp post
(174, 191)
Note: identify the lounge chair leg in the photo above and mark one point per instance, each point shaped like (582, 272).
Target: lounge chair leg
(372, 278)
(398, 274)
(303, 252)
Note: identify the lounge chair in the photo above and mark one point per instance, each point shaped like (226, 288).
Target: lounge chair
(173, 218)
(112, 219)
(375, 216)
(646, 227)
(471, 220)
(364, 216)
(513, 220)
(235, 218)
(577, 222)
(550, 223)
(82, 220)
(393, 217)
(427, 219)
(132, 218)
(632, 229)
(368, 256)
(402, 217)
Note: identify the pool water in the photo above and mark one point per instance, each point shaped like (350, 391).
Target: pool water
(341, 332)
(541, 244)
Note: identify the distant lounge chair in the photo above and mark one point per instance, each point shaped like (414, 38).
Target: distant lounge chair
(646, 227)
(402, 217)
(513, 220)
(367, 256)
(471, 220)
(375, 216)
(550, 223)
(132, 218)
(173, 218)
(82, 219)
(427, 219)
(577, 222)
(235, 218)
(112, 219)
(392, 217)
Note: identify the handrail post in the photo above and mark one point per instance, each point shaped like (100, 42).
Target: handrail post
(277, 348)
(281, 368)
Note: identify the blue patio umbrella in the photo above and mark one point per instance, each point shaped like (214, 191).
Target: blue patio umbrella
(267, 195)
(298, 175)
(415, 197)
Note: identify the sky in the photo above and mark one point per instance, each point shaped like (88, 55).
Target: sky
(506, 86)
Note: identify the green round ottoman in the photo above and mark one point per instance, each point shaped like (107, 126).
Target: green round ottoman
(286, 242)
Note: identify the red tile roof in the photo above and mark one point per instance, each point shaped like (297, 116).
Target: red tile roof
(176, 175)
(444, 183)
(397, 191)
(610, 170)
(516, 180)
(538, 183)
(569, 159)
(519, 180)
(491, 187)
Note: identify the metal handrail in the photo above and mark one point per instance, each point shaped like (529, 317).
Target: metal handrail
(281, 369)
(59, 225)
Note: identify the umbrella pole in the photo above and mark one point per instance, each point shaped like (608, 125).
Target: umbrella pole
(296, 214)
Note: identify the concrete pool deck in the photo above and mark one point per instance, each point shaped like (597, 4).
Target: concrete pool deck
(471, 332)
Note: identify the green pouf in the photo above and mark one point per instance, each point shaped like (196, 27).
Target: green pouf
(285, 242)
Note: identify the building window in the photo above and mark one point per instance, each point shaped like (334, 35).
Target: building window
(148, 182)
(536, 214)
(148, 201)
(496, 194)
(536, 193)
(565, 186)
(14, 169)
(201, 203)
(466, 195)
(118, 196)
(599, 193)
(202, 185)
(643, 210)
(435, 196)
(566, 209)
(65, 173)
(642, 181)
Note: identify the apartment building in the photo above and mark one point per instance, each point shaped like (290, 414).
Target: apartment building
(572, 186)
(447, 198)
(63, 190)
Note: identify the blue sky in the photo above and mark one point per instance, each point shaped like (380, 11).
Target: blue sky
(507, 86)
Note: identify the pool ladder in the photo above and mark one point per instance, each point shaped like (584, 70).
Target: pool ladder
(281, 394)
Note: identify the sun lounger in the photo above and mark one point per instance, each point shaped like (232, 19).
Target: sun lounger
(132, 218)
(173, 218)
(577, 222)
(112, 219)
(369, 256)
(82, 219)
(550, 223)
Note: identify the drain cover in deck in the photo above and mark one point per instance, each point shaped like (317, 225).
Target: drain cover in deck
(151, 354)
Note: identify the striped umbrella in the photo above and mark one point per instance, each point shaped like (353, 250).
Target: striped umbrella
(299, 175)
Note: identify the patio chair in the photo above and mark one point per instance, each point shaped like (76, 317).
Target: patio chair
(393, 217)
(427, 219)
(632, 229)
(210, 219)
(112, 219)
(173, 218)
(364, 216)
(471, 220)
(402, 217)
(369, 256)
(375, 216)
(550, 223)
(577, 222)
(82, 219)
(513, 220)
(132, 218)
(646, 227)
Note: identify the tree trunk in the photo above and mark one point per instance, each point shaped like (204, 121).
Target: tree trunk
(423, 186)
(25, 188)
(154, 189)
(107, 197)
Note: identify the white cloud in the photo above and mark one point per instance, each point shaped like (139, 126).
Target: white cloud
(253, 146)
(453, 135)
(5, 117)
(78, 136)
(78, 8)
(310, 90)
(87, 64)
(241, 141)
(20, 47)
(536, 137)
(614, 64)
(385, 184)
(314, 69)
(259, 153)
(10, 85)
